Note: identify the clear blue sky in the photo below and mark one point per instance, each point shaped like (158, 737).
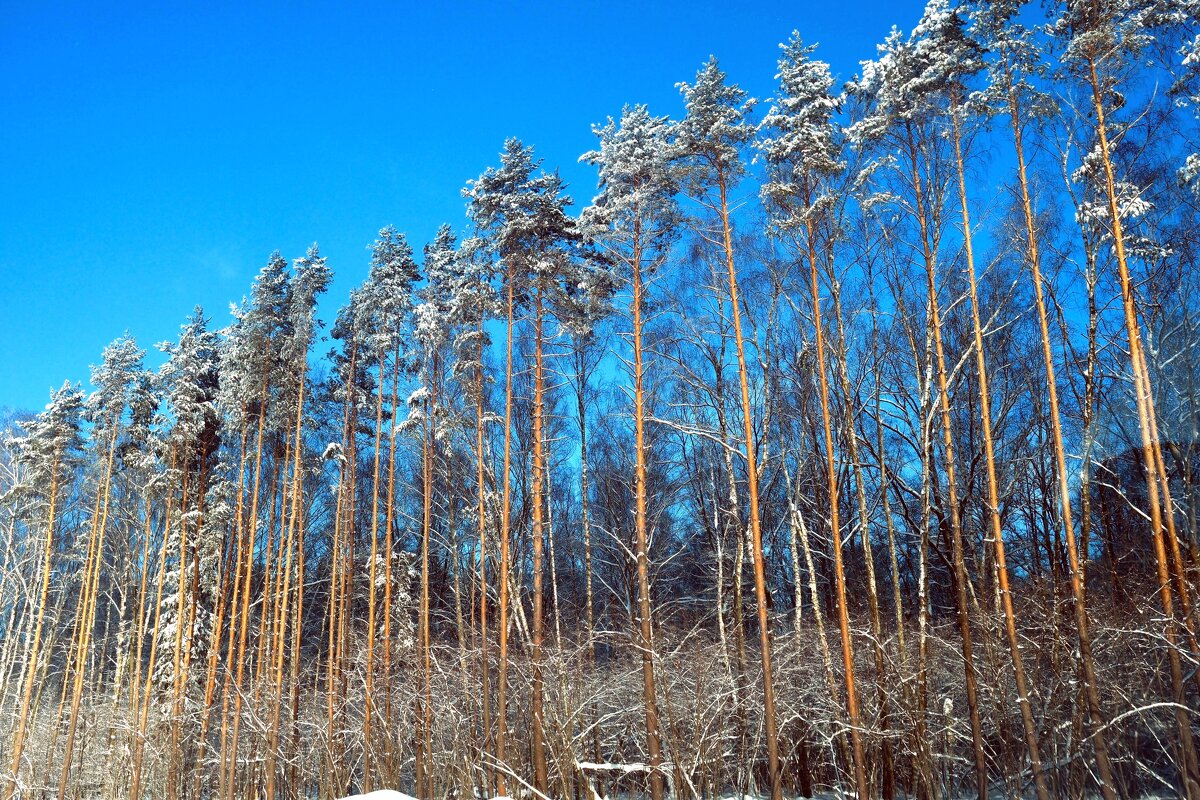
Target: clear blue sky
(152, 155)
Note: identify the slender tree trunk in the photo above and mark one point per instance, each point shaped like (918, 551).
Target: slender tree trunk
(229, 564)
(586, 522)
(800, 529)
(505, 515)
(144, 704)
(645, 639)
(251, 524)
(241, 583)
(485, 667)
(181, 596)
(295, 532)
(389, 723)
(1152, 457)
(425, 778)
(135, 695)
(32, 653)
(1107, 785)
(924, 755)
(859, 758)
(541, 780)
(333, 665)
(760, 581)
(985, 406)
(295, 786)
(369, 691)
(88, 602)
(952, 501)
(858, 755)
(427, 723)
(734, 523)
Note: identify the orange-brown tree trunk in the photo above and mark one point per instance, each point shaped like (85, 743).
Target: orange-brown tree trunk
(985, 410)
(858, 755)
(646, 641)
(760, 580)
(32, 655)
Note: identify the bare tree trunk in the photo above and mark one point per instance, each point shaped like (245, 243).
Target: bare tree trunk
(760, 582)
(369, 691)
(858, 755)
(295, 532)
(985, 405)
(251, 525)
(645, 642)
(952, 501)
(29, 670)
(424, 765)
(541, 779)
(337, 579)
(1107, 786)
(388, 722)
(1156, 478)
(230, 564)
(505, 517)
(88, 601)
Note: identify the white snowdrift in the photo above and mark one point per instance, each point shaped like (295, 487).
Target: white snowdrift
(381, 794)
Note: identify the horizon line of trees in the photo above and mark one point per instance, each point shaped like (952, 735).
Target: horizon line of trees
(847, 446)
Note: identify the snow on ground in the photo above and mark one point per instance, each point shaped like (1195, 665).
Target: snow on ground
(381, 794)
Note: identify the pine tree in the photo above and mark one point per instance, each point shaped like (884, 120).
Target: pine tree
(115, 380)
(633, 220)
(386, 304)
(49, 450)
(802, 147)
(311, 278)
(475, 303)
(251, 370)
(710, 140)
(189, 381)
(522, 218)
(1099, 39)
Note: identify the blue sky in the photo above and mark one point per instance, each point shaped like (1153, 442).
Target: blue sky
(153, 155)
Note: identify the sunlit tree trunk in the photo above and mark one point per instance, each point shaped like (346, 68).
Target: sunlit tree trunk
(952, 502)
(541, 779)
(29, 670)
(230, 758)
(645, 637)
(858, 756)
(295, 532)
(1082, 625)
(760, 581)
(424, 764)
(87, 606)
(1156, 477)
(140, 740)
(389, 722)
(505, 516)
(985, 406)
(369, 691)
(214, 657)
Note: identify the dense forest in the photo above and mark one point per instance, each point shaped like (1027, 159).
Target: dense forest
(844, 443)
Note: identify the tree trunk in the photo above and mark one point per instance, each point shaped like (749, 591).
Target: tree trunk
(645, 637)
(760, 582)
(985, 406)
